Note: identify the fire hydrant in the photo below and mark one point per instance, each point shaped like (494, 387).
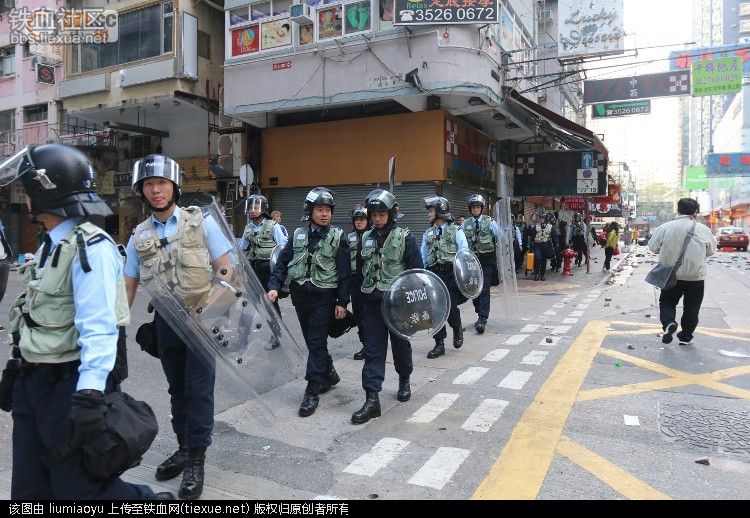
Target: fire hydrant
(568, 254)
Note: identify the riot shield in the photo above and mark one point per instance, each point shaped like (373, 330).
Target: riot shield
(416, 305)
(275, 253)
(230, 324)
(505, 257)
(467, 270)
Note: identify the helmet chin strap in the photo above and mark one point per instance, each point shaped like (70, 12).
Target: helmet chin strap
(162, 209)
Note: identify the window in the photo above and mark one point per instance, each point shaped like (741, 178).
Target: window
(7, 60)
(744, 25)
(7, 126)
(204, 45)
(36, 113)
(341, 19)
(261, 26)
(745, 9)
(143, 33)
(239, 16)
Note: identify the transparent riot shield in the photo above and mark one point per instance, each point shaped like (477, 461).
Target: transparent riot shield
(416, 305)
(229, 323)
(504, 250)
(275, 253)
(467, 270)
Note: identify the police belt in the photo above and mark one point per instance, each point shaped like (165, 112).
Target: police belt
(52, 371)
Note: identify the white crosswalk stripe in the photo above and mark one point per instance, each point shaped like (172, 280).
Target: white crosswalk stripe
(530, 328)
(384, 451)
(515, 339)
(534, 358)
(550, 313)
(570, 321)
(560, 330)
(433, 408)
(515, 380)
(439, 469)
(576, 314)
(496, 355)
(485, 415)
(470, 375)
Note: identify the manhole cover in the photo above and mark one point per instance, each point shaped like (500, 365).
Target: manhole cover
(713, 429)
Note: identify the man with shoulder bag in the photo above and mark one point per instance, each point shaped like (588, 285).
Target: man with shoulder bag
(683, 246)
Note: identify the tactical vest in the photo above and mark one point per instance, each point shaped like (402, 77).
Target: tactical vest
(260, 243)
(382, 265)
(43, 318)
(320, 266)
(186, 268)
(441, 249)
(483, 241)
(578, 229)
(353, 249)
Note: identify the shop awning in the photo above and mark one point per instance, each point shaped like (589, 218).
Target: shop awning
(562, 130)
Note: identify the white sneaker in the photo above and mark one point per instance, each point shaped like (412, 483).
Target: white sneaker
(682, 342)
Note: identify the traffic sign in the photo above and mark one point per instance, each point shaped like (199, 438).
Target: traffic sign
(620, 109)
(560, 173)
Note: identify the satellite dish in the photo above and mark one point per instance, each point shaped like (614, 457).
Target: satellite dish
(246, 174)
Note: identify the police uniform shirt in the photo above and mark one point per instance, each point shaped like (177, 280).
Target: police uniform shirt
(216, 241)
(279, 233)
(94, 296)
(461, 243)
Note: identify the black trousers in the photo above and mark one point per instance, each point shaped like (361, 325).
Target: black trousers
(540, 258)
(454, 317)
(376, 348)
(191, 387)
(579, 245)
(263, 270)
(608, 251)
(482, 302)
(691, 293)
(314, 307)
(41, 406)
(4, 271)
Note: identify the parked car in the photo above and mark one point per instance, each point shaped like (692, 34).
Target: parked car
(732, 237)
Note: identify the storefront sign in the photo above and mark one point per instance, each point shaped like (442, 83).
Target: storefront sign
(470, 155)
(442, 12)
(575, 203)
(694, 178)
(605, 110)
(560, 173)
(727, 165)
(196, 175)
(605, 210)
(612, 196)
(717, 76)
(644, 86)
(682, 59)
(282, 66)
(17, 193)
(245, 40)
(590, 28)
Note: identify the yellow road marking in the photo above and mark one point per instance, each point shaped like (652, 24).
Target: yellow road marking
(612, 475)
(640, 362)
(523, 464)
(627, 390)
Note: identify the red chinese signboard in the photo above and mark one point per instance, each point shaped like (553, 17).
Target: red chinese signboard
(245, 40)
(281, 66)
(576, 203)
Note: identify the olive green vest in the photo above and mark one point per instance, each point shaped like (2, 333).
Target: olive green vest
(320, 267)
(353, 249)
(186, 268)
(48, 302)
(480, 242)
(382, 266)
(441, 250)
(260, 243)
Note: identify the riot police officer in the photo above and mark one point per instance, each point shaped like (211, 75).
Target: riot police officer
(481, 232)
(197, 251)
(318, 261)
(439, 246)
(65, 331)
(387, 250)
(361, 224)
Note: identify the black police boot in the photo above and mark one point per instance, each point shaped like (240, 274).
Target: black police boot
(173, 466)
(369, 410)
(479, 326)
(404, 390)
(438, 350)
(310, 399)
(192, 479)
(332, 377)
(458, 337)
(360, 355)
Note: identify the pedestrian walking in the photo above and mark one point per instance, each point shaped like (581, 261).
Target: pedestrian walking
(195, 251)
(577, 236)
(387, 251)
(440, 243)
(669, 241)
(481, 233)
(613, 237)
(361, 224)
(318, 261)
(64, 331)
(541, 237)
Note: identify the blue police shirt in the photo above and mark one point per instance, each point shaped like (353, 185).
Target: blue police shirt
(279, 235)
(94, 296)
(216, 241)
(461, 243)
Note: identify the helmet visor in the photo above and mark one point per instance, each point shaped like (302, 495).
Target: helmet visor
(253, 205)
(431, 201)
(156, 166)
(10, 168)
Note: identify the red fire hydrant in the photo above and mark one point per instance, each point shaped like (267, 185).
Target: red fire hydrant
(568, 254)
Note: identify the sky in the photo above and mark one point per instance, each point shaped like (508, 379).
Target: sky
(648, 143)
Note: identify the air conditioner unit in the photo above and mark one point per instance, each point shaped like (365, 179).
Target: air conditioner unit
(301, 14)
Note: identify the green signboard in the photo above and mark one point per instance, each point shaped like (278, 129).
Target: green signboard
(716, 76)
(694, 178)
(620, 109)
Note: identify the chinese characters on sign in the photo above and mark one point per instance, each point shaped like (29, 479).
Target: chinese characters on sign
(727, 164)
(636, 87)
(62, 26)
(590, 28)
(717, 76)
(440, 12)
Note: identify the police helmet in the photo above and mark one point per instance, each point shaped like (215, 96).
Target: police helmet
(58, 179)
(476, 199)
(359, 211)
(317, 196)
(441, 206)
(157, 166)
(258, 202)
